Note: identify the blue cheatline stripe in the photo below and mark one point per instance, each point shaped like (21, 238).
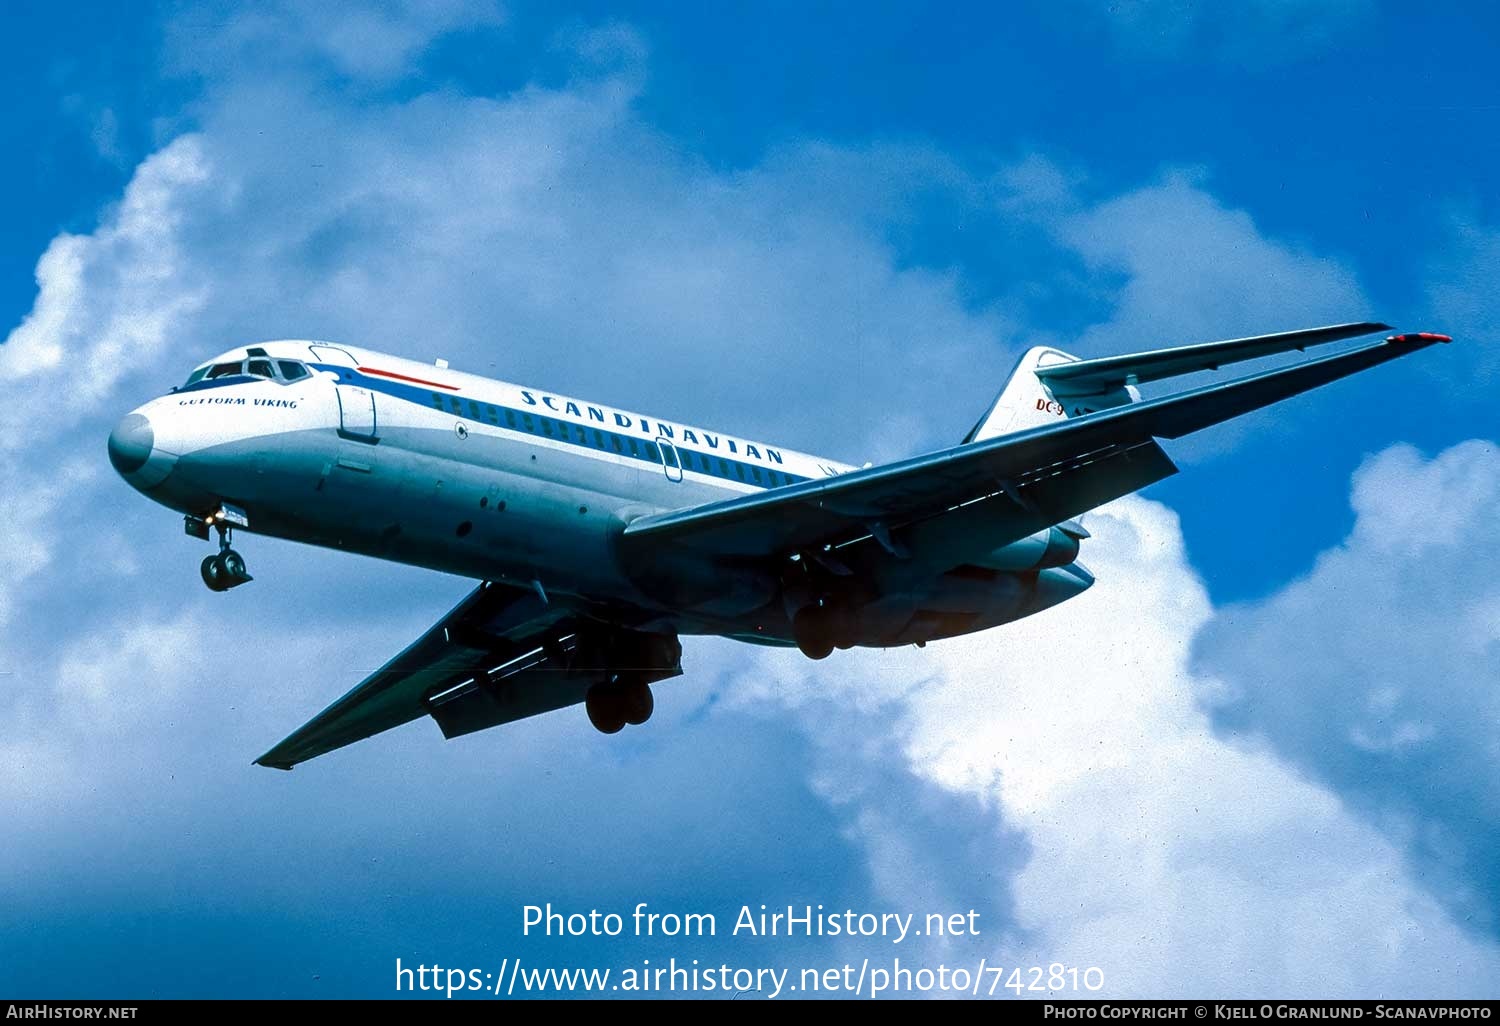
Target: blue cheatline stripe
(558, 430)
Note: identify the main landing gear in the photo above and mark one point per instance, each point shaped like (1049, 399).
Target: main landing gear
(227, 569)
(612, 704)
(821, 627)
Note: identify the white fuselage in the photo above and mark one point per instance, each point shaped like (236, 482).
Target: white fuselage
(365, 452)
(425, 465)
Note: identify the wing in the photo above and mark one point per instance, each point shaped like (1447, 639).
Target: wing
(1062, 464)
(492, 629)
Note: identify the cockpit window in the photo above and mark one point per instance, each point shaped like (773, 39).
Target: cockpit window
(291, 370)
(223, 370)
(195, 377)
(259, 369)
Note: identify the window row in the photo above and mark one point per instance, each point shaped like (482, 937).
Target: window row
(609, 441)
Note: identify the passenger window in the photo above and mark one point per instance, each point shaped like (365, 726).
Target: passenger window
(739, 468)
(260, 368)
(291, 370)
(598, 438)
(755, 473)
(634, 451)
(723, 469)
(510, 417)
(651, 453)
(618, 446)
(223, 370)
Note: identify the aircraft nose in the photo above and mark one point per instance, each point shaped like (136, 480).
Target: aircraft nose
(130, 443)
(136, 452)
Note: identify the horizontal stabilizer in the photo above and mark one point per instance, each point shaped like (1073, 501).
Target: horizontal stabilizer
(1090, 377)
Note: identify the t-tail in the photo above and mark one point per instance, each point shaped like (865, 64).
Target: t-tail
(1029, 399)
(1049, 385)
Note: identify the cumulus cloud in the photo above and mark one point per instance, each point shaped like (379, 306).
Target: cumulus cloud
(1206, 269)
(368, 43)
(1168, 264)
(1173, 858)
(108, 305)
(1374, 673)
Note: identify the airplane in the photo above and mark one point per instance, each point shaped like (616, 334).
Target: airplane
(601, 536)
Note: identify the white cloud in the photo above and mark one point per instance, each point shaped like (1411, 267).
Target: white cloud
(1181, 267)
(1374, 674)
(1177, 861)
(374, 43)
(1203, 268)
(107, 299)
(108, 306)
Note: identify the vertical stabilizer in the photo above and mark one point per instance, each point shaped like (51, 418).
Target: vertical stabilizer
(1026, 401)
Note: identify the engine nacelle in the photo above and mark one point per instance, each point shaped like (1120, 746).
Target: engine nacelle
(1056, 546)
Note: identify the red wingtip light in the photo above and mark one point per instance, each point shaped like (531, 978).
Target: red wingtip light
(1420, 336)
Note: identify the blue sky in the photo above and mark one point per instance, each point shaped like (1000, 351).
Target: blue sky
(1267, 722)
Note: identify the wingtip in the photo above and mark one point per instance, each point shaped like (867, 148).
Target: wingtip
(1420, 336)
(286, 766)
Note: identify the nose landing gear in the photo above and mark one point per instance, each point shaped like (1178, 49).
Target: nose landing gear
(227, 569)
(224, 571)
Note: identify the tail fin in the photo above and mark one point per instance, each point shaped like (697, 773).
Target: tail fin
(1027, 400)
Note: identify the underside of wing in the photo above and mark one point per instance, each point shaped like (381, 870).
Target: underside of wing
(500, 655)
(491, 626)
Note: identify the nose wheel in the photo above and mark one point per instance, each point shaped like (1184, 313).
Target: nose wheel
(227, 569)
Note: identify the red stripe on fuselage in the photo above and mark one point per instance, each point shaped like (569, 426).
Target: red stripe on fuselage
(403, 377)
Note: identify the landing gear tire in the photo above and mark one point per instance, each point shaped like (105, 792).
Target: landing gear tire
(840, 625)
(811, 628)
(605, 708)
(213, 574)
(224, 571)
(638, 703)
(612, 705)
(233, 565)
